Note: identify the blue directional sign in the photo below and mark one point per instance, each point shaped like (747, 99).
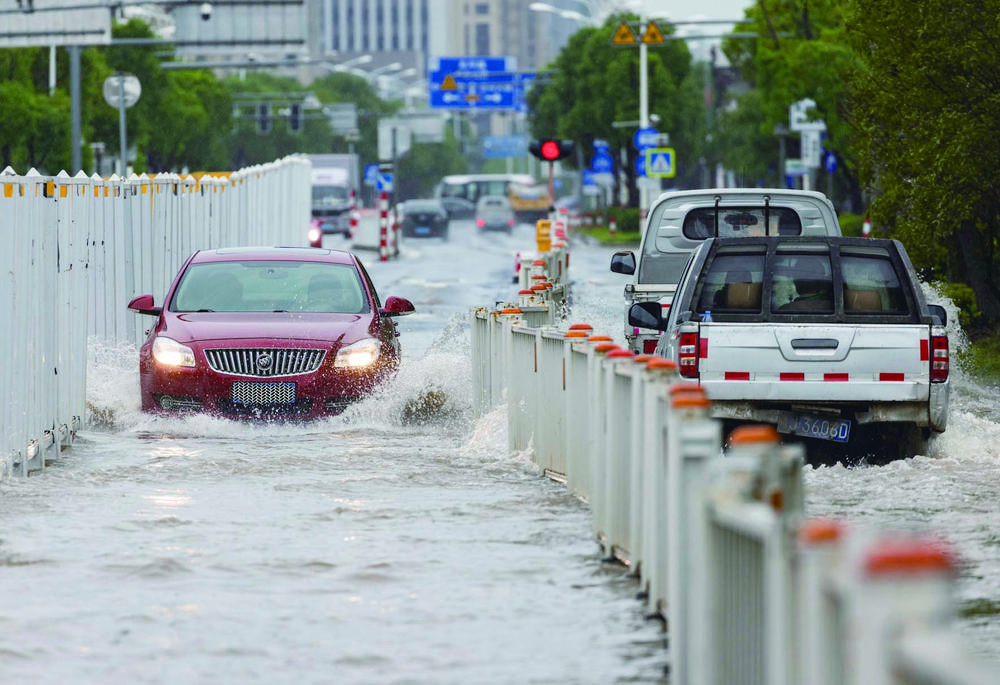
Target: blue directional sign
(384, 182)
(588, 178)
(640, 165)
(831, 162)
(505, 146)
(371, 174)
(601, 145)
(477, 83)
(602, 163)
(660, 162)
(452, 65)
(646, 137)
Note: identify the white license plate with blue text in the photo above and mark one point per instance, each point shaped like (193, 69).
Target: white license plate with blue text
(423, 230)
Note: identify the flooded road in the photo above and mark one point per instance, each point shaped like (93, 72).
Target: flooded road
(398, 543)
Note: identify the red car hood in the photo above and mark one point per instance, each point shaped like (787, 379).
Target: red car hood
(211, 326)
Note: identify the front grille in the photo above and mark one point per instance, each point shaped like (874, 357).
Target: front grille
(264, 362)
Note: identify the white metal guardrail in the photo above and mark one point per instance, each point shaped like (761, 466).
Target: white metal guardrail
(76, 250)
(751, 591)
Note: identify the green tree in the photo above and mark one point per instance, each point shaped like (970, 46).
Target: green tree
(801, 52)
(926, 105)
(593, 84)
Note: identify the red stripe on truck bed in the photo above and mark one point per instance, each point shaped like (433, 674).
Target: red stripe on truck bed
(835, 377)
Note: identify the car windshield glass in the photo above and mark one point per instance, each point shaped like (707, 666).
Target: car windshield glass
(265, 286)
(802, 283)
(733, 283)
(329, 195)
(871, 285)
(661, 267)
(740, 222)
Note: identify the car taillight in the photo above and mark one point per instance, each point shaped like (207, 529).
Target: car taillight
(649, 346)
(687, 356)
(481, 222)
(510, 222)
(940, 359)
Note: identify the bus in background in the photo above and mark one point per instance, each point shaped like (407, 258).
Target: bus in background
(461, 192)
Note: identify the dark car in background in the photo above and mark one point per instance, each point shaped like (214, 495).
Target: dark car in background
(494, 213)
(458, 208)
(294, 333)
(424, 219)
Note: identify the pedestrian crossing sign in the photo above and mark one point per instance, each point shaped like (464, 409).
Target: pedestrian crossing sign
(660, 162)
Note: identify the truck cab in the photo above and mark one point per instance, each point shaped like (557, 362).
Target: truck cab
(678, 222)
(827, 338)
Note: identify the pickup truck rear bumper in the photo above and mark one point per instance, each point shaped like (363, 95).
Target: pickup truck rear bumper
(931, 414)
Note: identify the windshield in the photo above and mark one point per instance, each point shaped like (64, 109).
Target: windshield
(264, 286)
(329, 195)
(741, 222)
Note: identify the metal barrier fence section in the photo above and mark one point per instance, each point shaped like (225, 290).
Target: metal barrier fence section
(750, 590)
(78, 249)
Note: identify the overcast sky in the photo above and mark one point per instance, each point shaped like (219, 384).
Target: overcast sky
(697, 9)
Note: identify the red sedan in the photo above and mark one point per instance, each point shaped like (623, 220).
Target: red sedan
(268, 332)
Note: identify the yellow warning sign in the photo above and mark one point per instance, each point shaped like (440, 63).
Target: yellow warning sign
(448, 83)
(653, 34)
(624, 35)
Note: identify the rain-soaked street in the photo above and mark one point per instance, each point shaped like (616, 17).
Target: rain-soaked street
(400, 542)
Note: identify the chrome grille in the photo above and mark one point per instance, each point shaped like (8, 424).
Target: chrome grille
(249, 392)
(264, 362)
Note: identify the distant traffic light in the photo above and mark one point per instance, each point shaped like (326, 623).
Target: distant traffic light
(295, 117)
(263, 118)
(551, 150)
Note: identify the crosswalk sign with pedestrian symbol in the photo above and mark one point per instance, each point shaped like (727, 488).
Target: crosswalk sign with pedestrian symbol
(660, 162)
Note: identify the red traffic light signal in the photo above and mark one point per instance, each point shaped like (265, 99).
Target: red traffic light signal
(551, 150)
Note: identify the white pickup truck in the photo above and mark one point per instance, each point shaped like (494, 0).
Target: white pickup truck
(828, 338)
(679, 221)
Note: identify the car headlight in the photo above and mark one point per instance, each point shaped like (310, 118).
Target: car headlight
(357, 355)
(171, 353)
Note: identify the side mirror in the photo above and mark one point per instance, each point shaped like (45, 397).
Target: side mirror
(144, 305)
(647, 315)
(938, 312)
(396, 306)
(623, 263)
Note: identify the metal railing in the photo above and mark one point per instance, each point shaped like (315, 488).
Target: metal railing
(76, 250)
(750, 590)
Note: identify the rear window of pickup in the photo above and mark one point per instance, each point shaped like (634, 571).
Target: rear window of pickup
(804, 280)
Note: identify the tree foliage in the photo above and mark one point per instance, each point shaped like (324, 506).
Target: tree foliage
(927, 104)
(593, 84)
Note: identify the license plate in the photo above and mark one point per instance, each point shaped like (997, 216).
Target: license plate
(423, 230)
(254, 392)
(821, 427)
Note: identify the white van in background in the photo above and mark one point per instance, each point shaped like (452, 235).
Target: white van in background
(679, 221)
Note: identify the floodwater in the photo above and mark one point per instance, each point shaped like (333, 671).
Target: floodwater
(398, 543)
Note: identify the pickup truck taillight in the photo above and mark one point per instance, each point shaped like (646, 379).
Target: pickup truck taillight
(687, 355)
(940, 360)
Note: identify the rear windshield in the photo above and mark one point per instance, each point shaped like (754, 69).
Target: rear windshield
(803, 279)
(740, 222)
(418, 206)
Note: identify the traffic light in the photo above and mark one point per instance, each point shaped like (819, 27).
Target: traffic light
(295, 117)
(551, 150)
(263, 118)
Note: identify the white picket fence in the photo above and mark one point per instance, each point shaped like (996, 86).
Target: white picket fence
(750, 590)
(79, 248)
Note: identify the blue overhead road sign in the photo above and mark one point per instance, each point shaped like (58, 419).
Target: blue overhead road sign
(451, 65)
(505, 146)
(660, 162)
